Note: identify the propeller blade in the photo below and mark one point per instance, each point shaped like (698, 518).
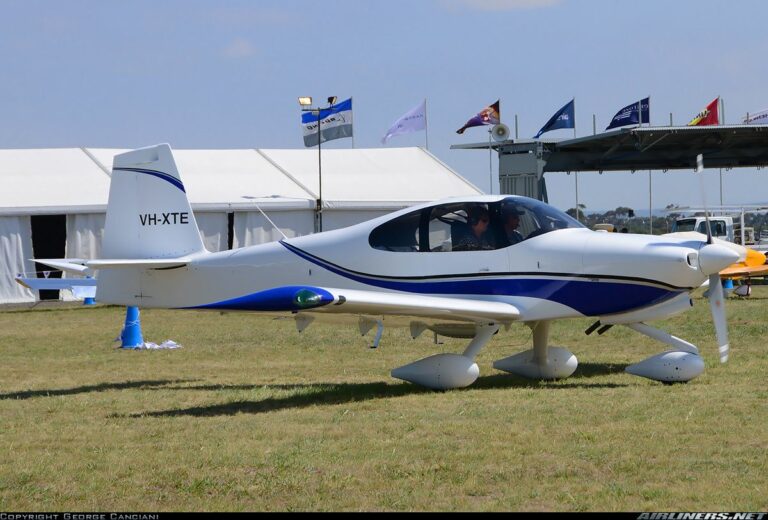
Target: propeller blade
(716, 297)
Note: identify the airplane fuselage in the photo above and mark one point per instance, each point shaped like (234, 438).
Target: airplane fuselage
(560, 274)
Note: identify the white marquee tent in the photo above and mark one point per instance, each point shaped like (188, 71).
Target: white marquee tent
(42, 190)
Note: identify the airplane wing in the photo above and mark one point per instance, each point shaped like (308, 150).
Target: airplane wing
(737, 271)
(326, 300)
(403, 304)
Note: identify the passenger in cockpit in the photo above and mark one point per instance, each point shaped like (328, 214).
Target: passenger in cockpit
(511, 216)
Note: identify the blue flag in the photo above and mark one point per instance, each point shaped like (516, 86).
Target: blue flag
(563, 118)
(335, 122)
(630, 114)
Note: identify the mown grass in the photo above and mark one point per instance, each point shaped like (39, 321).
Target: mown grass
(251, 415)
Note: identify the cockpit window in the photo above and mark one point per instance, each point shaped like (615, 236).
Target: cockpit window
(470, 226)
(400, 234)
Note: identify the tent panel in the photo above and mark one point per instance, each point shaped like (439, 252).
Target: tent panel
(15, 249)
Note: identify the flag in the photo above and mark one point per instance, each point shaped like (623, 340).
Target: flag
(563, 118)
(412, 121)
(631, 114)
(758, 118)
(335, 123)
(490, 115)
(708, 116)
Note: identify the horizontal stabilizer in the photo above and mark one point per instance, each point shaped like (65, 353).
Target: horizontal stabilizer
(69, 265)
(84, 267)
(150, 263)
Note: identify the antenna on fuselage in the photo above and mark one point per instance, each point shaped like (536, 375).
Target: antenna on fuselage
(265, 215)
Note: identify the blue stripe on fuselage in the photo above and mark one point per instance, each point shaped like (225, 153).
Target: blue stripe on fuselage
(591, 297)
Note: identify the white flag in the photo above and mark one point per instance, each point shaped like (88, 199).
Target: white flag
(758, 118)
(412, 121)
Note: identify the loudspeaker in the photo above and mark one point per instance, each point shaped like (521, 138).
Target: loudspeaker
(500, 132)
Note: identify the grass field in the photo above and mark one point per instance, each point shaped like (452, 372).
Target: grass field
(251, 415)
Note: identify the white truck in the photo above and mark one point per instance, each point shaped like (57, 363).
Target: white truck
(723, 227)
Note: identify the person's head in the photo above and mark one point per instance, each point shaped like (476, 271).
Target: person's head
(511, 217)
(478, 218)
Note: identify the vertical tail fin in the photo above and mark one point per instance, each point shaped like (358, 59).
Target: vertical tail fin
(148, 214)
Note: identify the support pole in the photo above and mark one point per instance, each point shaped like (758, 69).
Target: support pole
(576, 175)
(650, 202)
(319, 208)
(721, 187)
(490, 164)
(743, 231)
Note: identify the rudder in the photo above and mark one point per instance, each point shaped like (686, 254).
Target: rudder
(148, 213)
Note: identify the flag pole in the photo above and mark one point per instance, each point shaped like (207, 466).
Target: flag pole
(426, 125)
(353, 120)
(576, 174)
(649, 110)
(722, 111)
(319, 208)
(490, 164)
(574, 117)
(516, 126)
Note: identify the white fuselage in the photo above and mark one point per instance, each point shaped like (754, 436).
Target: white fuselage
(560, 274)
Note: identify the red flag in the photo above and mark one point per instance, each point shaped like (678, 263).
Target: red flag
(708, 116)
(487, 116)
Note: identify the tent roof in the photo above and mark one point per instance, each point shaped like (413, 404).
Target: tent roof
(76, 180)
(232, 178)
(62, 180)
(375, 176)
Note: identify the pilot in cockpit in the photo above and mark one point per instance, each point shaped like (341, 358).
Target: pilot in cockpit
(476, 238)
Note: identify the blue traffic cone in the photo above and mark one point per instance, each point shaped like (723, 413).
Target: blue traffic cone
(728, 284)
(131, 334)
(89, 300)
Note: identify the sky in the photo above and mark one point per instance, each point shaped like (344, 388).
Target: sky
(227, 74)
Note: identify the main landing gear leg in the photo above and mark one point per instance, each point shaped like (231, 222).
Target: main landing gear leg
(446, 371)
(541, 362)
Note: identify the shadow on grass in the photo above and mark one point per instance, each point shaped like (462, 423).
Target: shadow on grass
(599, 369)
(102, 387)
(324, 394)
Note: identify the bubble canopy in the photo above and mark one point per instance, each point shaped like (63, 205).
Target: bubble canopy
(470, 225)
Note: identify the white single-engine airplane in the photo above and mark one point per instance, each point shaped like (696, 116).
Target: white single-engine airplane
(460, 267)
